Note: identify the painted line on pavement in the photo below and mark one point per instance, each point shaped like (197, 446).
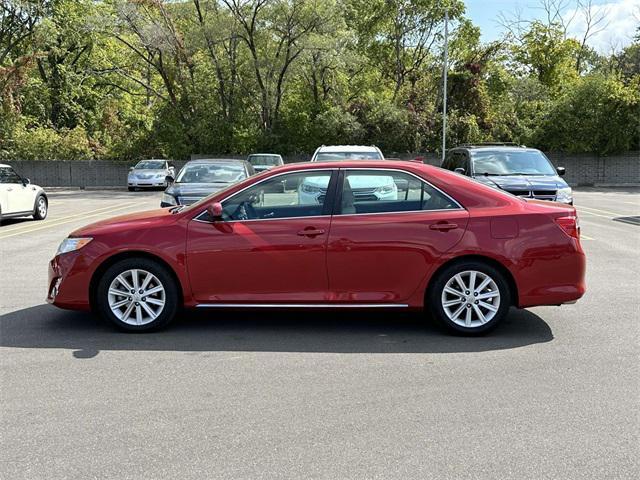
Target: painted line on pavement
(602, 211)
(66, 221)
(55, 220)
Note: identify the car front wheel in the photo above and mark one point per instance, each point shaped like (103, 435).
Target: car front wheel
(470, 297)
(137, 295)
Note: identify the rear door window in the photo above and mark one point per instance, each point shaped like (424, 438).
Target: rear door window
(383, 191)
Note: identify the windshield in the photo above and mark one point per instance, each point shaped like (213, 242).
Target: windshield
(150, 165)
(211, 173)
(272, 160)
(336, 156)
(511, 163)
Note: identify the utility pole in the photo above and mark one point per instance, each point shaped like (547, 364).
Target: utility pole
(444, 83)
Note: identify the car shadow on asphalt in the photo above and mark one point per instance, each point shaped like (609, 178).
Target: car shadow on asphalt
(44, 326)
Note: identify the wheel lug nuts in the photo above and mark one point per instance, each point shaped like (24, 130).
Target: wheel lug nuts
(467, 292)
(140, 292)
(137, 304)
(468, 305)
(475, 294)
(133, 291)
(477, 302)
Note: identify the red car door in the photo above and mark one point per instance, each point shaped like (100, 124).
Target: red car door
(270, 247)
(388, 230)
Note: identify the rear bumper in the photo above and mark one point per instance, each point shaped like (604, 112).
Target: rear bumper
(552, 280)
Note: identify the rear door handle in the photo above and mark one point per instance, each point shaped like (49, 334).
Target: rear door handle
(443, 226)
(310, 232)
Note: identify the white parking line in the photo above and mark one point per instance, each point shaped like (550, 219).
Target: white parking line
(603, 211)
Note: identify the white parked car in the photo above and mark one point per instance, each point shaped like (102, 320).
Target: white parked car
(150, 173)
(363, 188)
(19, 197)
(328, 153)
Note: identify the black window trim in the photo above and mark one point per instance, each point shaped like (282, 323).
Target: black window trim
(338, 196)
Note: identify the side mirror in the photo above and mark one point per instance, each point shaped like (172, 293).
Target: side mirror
(460, 170)
(25, 181)
(131, 169)
(215, 211)
(561, 171)
(169, 179)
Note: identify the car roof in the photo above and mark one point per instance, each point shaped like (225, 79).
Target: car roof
(271, 154)
(214, 160)
(489, 148)
(347, 148)
(359, 164)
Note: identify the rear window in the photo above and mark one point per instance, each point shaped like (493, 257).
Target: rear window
(337, 156)
(272, 160)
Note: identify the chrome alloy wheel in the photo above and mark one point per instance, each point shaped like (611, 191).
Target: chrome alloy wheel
(136, 297)
(42, 207)
(470, 299)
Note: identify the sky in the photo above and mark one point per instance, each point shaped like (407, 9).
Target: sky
(622, 18)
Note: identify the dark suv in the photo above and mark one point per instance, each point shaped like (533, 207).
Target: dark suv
(525, 172)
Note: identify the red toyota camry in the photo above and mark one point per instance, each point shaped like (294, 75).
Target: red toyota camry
(353, 234)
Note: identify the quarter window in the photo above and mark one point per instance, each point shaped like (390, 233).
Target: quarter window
(302, 194)
(379, 191)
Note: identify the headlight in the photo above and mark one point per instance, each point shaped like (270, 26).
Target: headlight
(170, 199)
(72, 244)
(564, 195)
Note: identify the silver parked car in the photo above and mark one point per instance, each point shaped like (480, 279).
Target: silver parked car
(199, 178)
(264, 161)
(150, 173)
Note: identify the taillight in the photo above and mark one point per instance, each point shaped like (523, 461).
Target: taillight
(569, 225)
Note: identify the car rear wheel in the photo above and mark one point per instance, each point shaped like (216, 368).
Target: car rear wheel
(469, 297)
(137, 295)
(41, 209)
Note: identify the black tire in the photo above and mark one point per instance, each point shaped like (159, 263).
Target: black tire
(37, 214)
(167, 280)
(438, 284)
(132, 189)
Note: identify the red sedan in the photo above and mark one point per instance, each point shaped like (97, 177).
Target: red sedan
(354, 234)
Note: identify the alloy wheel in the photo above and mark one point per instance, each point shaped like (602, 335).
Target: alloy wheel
(136, 297)
(470, 299)
(42, 207)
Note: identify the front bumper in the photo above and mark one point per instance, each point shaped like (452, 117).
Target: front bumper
(68, 283)
(152, 182)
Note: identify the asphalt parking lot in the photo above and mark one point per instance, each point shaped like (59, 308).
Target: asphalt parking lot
(554, 392)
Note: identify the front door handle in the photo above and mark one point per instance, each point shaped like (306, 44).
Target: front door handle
(443, 226)
(311, 232)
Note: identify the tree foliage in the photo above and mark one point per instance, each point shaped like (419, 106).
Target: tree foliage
(125, 79)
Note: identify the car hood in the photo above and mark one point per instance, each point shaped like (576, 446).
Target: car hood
(262, 168)
(146, 219)
(523, 182)
(195, 189)
(148, 171)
